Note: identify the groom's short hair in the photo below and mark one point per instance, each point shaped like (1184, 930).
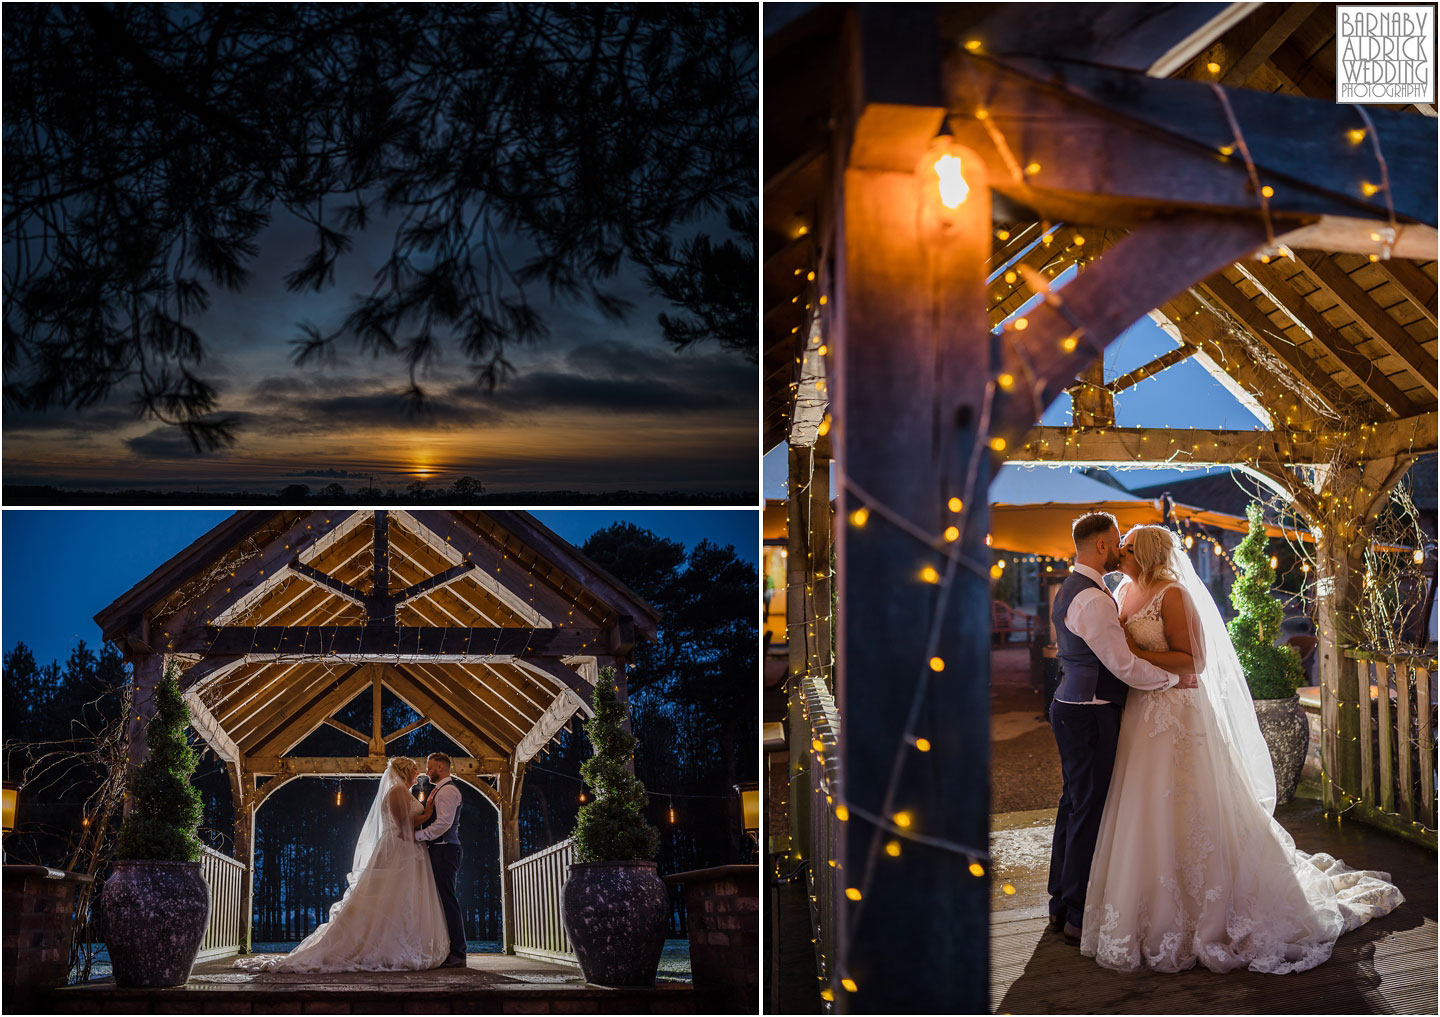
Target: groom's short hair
(440, 757)
(1092, 524)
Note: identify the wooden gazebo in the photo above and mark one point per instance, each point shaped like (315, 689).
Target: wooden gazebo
(486, 624)
(1190, 162)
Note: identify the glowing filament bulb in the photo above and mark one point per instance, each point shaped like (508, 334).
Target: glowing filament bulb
(1418, 557)
(929, 574)
(953, 188)
(903, 820)
(976, 869)
(852, 893)
(922, 744)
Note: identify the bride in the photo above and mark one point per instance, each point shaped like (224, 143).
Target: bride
(390, 917)
(1190, 866)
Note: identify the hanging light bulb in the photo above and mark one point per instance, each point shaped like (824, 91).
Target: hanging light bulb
(953, 188)
(1418, 557)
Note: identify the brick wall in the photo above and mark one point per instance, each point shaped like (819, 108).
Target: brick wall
(39, 914)
(722, 907)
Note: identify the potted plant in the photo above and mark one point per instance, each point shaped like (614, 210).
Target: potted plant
(613, 903)
(156, 901)
(1274, 673)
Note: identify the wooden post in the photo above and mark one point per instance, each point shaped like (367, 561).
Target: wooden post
(377, 736)
(243, 846)
(914, 359)
(510, 785)
(148, 669)
(798, 508)
(1337, 592)
(1091, 403)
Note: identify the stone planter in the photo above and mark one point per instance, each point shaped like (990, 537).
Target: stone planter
(155, 917)
(1287, 735)
(615, 914)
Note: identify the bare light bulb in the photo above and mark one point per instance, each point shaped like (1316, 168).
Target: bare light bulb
(953, 188)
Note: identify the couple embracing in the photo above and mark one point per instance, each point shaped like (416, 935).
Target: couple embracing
(400, 911)
(1166, 853)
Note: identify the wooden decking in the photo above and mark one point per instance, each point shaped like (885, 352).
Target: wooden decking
(490, 983)
(1387, 966)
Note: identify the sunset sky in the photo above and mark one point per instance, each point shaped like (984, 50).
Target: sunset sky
(596, 407)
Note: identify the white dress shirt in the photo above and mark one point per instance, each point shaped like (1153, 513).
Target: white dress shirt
(1094, 616)
(446, 805)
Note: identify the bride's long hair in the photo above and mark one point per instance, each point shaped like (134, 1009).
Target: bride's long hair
(1155, 549)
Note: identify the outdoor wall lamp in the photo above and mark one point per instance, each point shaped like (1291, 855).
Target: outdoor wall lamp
(749, 809)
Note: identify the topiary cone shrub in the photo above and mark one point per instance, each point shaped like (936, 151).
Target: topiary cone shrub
(165, 808)
(1273, 672)
(612, 828)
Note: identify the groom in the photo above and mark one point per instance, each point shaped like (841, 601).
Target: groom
(442, 831)
(1097, 666)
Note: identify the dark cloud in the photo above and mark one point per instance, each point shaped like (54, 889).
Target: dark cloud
(330, 474)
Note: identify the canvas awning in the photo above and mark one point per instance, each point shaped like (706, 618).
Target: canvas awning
(1032, 508)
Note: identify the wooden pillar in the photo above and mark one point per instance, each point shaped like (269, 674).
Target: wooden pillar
(914, 358)
(798, 507)
(509, 786)
(243, 846)
(148, 670)
(1091, 403)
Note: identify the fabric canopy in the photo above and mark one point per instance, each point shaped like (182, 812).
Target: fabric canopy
(1032, 509)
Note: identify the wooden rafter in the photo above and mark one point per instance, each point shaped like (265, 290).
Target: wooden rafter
(1266, 333)
(421, 697)
(1373, 318)
(1298, 309)
(390, 642)
(1417, 287)
(345, 766)
(286, 729)
(1149, 370)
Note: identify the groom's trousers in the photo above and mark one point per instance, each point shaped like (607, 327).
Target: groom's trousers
(445, 863)
(1086, 736)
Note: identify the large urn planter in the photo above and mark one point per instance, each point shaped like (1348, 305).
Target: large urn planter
(155, 918)
(1287, 735)
(615, 914)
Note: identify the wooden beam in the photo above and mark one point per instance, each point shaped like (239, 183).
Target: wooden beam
(1091, 403)
(1112, 148)
(348, 766)
(1267, 334)
(1303, 313)
(414, 725)
(1345, 234)
(344, 728)
(288, 726)
(329, 583)
(1257, 50)
(1154, 367)
(208, 728)
(1160, 447)
(435, 582)
(570, 682)
(229, 594)
(418, 694)
(1418, 287)
(1151, 265)
(391, 642)
(1373, 318)
(555, 717)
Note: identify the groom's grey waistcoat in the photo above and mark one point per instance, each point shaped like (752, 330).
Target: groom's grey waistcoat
(1083, 677)
(452, 835)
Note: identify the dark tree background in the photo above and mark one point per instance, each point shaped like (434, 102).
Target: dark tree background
(501, 149)
(694, 709)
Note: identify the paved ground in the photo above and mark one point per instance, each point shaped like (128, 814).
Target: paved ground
(1025, 765)
(1387, 966)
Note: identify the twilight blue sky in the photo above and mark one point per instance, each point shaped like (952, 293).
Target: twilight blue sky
(1184, 395)
(60, 567)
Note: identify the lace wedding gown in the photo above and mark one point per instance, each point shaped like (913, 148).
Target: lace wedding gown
(1190, 867)
(390, 917)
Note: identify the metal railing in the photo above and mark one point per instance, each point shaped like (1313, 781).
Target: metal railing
(1388, 772)
(537, 880)
(225, 878)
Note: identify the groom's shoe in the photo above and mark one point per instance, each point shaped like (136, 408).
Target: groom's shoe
(1055, 923)
(1072, 933)
(453, 962)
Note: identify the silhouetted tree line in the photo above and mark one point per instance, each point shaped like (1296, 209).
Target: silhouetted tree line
(694, 706)
(498, 148)
(366, 495)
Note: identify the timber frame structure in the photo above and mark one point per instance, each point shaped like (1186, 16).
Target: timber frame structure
(1190, 162)
(486, 624)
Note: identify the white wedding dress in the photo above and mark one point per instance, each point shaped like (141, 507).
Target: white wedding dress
(390, 917)
(1189, 865)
